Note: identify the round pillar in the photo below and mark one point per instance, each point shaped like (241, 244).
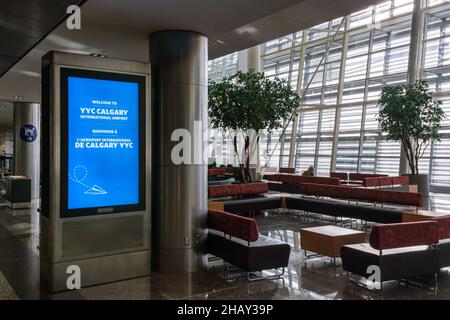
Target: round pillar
(179, 62)
(254, 58)
(253, 61)
(27, 125)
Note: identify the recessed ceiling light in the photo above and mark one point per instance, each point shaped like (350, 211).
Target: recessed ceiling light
(18, 97)
(99, 55)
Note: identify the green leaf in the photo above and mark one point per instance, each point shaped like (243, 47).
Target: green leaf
(410, 113)
(249, 100)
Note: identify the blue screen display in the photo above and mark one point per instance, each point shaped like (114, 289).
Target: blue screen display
(103, 138)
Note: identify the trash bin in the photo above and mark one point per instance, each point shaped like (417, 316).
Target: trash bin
(18, 192)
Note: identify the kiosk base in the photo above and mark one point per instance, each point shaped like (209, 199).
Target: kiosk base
(95, 271)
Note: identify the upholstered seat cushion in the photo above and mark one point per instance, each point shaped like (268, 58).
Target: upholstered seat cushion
(394, 264)
(239, 206)
(254, 204)
(444, 253)
(365, 247)
(265, 253)
(312, 205)
(266, 203)
(260, 242)
(401, 250)
(343, 209)
(362, 176)
(444, 242)
(297, 179)
(283, 187)
(368, 212)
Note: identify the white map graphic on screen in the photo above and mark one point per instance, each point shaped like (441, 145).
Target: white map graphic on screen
(80, 174)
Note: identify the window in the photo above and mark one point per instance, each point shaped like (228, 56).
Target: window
(436, 68)
(376, 53)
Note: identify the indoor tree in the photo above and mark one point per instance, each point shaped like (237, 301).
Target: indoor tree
(247, 103)
(411, 115)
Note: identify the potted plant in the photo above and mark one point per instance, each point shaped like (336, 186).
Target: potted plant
(411, 115)
(246, 104)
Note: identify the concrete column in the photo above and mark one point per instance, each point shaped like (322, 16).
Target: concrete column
(415, 46)
(251, 59)
(27, 126)
(242, 62)
(340, 94)
(254, 58)
(295, 121)
(414, 62)
(179, 62)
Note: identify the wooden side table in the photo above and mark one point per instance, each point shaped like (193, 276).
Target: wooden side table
(216, 205)
(328, 240)
(422, 215)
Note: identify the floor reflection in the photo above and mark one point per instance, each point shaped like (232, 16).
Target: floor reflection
(317, 280)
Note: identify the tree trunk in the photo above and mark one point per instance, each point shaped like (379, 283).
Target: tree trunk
(241, 176)
(247, 175)
(407, 146)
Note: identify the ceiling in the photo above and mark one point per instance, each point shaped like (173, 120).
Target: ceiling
(24, 23)
(120, 29)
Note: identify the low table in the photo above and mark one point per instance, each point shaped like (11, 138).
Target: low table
(422, 215)
(215, 205)
(328, 240)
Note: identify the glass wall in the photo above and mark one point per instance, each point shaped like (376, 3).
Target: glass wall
(222, 67)
(436, 68)
(219, 142)
(339, 67)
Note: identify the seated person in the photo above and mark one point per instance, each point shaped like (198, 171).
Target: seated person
(309, 172)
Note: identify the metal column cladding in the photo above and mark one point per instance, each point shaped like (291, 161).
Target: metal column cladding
(27, 143)
(179, 62)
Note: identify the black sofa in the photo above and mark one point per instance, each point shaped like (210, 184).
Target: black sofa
(252, 205)
(333, 208)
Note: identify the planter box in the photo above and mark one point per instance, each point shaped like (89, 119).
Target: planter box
(422, 182)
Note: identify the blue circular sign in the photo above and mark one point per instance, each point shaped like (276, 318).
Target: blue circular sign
(28, 133)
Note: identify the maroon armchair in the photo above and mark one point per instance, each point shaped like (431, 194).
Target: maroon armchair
(286, 170)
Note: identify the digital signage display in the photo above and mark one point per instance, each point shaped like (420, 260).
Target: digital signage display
(103, 142)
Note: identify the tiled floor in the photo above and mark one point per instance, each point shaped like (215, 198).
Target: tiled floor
(6, 292)
(319, 280)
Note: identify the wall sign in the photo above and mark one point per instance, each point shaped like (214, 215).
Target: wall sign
(28, 133)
